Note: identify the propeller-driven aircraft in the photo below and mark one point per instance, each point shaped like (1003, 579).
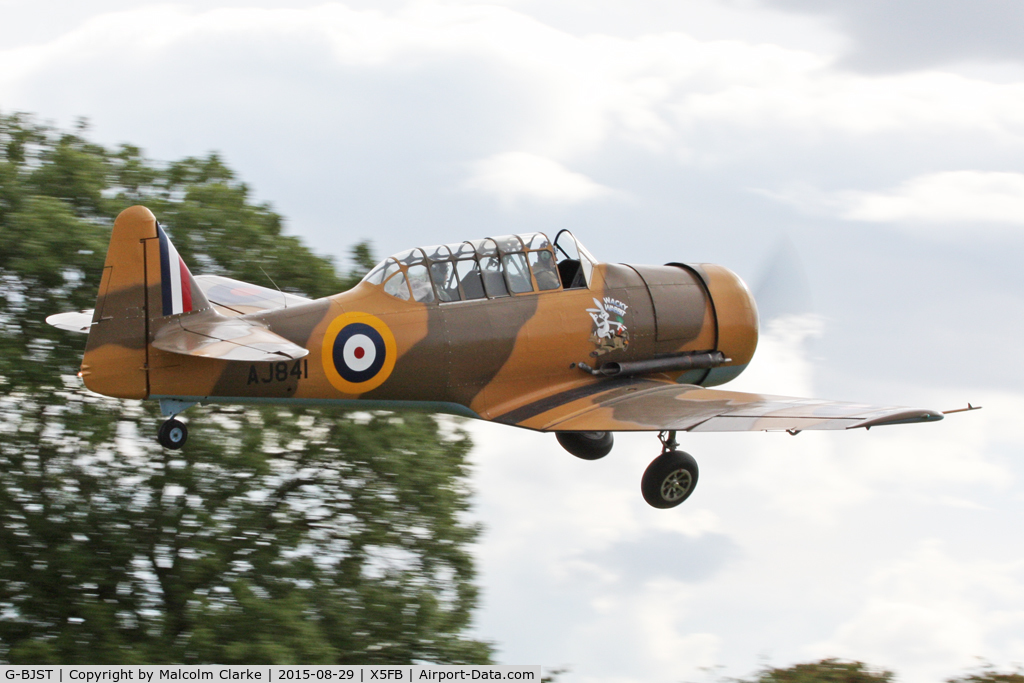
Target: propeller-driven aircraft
(518, 329)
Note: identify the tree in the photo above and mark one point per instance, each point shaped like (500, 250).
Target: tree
(826, 671)
(552, 675)
(277, 535)
(987, 673)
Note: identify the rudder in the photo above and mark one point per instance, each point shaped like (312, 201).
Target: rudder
(145, 283)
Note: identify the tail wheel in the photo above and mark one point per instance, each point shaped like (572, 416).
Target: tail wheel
(669, 479)
(586, 445)
(173, 434)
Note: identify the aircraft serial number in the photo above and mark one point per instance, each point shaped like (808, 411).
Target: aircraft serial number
(278, 372)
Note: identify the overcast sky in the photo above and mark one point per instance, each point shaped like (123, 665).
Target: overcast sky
(858, 162)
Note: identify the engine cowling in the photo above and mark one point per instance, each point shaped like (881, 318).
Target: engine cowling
(686, 319)
(736, 317)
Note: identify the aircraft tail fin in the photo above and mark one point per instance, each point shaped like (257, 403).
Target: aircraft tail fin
(149, 300)
(145, 285)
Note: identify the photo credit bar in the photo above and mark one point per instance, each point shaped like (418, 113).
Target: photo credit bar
(267, 674)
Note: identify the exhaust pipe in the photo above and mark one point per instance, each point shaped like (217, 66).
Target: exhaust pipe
(688, 361)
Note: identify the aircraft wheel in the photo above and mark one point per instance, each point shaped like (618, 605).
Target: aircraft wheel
(586, 445)
(669, 479)
(173, 434)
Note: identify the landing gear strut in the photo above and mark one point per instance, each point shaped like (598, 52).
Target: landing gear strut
(173, 434)
(671, 477)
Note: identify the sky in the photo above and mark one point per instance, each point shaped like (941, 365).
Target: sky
(857, 162)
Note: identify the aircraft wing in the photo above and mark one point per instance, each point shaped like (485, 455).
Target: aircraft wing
(646, 405)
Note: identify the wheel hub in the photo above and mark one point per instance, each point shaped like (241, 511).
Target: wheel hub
(676, 485)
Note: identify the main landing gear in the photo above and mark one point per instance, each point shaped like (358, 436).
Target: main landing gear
(671, 477)
(668, 480)
(586, 445)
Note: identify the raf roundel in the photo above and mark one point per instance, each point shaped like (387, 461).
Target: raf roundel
(359, 352)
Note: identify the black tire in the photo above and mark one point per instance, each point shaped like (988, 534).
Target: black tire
(586, 445)
(173, 434)
(669, 479)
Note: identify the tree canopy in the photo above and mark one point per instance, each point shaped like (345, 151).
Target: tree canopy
(299, 535)
(987, 673)
(832, 670)
(826, 671)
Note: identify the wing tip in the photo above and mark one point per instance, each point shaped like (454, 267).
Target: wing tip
(908, 416)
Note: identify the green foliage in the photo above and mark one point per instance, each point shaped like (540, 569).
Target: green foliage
(552, 675)
(826, 671)
(840, 671)
(277, 535)
(986, 673)
(362, 260)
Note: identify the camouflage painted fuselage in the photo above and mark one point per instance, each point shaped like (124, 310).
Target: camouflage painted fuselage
(515, 358)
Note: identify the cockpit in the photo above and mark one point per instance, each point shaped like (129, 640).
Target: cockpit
(511, 265)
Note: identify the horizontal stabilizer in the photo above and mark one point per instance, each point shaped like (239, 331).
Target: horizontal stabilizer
(226, 339)
(242, 297)
(239, 298)
(75, 321)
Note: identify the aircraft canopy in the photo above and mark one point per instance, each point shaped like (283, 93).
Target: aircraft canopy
(492, 267)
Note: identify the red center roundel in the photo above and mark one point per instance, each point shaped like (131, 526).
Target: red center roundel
(359, 349)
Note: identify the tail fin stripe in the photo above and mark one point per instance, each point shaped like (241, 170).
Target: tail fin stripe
(174, 278)
(165, 270)
(186, 286)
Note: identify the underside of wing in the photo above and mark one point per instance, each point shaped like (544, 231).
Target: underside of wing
(227, 339)
(646, 405)
(235, 297)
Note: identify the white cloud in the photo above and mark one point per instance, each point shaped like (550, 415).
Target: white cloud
(516, 176)
(951, 196)
(966, 198)
(660, 91)
(780, 364)
(934, 610)
(789, 89)
(824, 475)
